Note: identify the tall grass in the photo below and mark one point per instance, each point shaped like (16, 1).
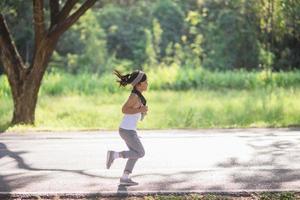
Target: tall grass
(227, 108)
(185, 78)
(170, 78)
(168, 109)
(181, 98)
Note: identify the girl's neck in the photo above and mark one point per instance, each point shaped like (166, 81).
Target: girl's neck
(137, 90)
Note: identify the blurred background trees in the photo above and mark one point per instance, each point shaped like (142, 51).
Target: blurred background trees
(213, 34)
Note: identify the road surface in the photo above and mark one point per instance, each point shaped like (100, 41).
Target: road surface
(215, 160)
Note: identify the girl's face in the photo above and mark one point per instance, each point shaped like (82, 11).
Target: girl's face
(142, 86)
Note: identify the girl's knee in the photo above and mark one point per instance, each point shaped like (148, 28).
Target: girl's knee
(142, 153)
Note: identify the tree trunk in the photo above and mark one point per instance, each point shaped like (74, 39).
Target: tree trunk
(25, 92)
(26, 96)
(25, 81)
(25, 103)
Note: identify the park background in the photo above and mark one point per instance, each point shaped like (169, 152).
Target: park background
(210, 64)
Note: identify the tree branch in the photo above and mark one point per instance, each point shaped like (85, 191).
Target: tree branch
(38, 20)
(66, 10)
(9, 55)
(54, 11)
(68, 22)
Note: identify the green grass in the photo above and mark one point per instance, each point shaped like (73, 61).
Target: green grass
(225, 108)
(177, 98)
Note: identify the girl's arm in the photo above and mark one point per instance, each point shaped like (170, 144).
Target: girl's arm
(129, 106)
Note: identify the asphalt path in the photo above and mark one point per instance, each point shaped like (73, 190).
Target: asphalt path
(214, 160)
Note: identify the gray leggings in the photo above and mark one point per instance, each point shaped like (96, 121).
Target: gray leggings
(136, 149)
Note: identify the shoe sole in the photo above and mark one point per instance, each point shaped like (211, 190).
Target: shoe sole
(128, 184)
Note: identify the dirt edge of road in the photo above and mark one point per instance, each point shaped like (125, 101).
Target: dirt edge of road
(157, 195)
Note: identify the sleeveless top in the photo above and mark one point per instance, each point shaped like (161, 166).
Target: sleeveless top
(130, 121)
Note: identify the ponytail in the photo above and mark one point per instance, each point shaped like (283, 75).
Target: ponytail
(130, 78)
(123, 79)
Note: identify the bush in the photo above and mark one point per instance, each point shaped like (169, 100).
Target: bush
(4, 87)
(174, 77)
(163, 77)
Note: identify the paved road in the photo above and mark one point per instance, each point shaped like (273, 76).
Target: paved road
(217, 160)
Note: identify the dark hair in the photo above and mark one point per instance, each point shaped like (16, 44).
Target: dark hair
(128, 78)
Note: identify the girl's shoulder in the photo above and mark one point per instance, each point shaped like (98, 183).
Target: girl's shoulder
(133, 95)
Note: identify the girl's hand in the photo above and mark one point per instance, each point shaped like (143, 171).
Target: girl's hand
(144, 109)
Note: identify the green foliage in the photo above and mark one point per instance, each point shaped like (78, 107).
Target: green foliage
(5, 103)
(214, 34)
(266, 58)
(230, 35)
(150, 50)
(18, 17)
(90, 55)
(4, 87)
(95, 55)
(125, 30)
(153, 41)
(171, 19)
(189, 54)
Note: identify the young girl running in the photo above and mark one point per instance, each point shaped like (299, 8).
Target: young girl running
(134, 110)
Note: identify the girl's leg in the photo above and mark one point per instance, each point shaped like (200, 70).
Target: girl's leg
(136, 149)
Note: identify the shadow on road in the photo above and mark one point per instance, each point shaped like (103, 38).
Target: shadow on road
(122, 191)
(17, 180)
(265, 168)
(268, 152)
(12, 181)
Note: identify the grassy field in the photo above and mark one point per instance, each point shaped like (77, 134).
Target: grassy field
(177, 98)
(224, 108)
